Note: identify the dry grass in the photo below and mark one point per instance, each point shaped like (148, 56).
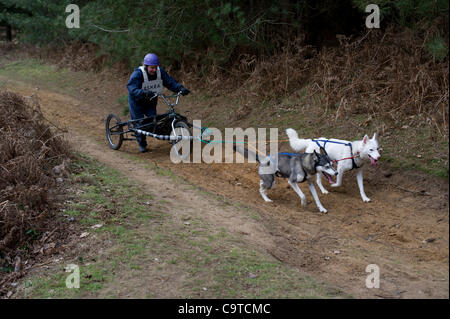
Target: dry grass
(385, 75)
(29, 153)
(75, 56)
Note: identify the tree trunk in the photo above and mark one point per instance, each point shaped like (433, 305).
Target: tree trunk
(8, 33)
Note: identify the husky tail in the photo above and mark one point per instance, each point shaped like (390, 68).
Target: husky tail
(247, 153)
(297, 144)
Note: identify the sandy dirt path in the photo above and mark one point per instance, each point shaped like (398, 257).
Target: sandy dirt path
(404, 230)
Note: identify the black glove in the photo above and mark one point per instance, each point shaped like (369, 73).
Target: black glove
(185, 91)
(149, 94)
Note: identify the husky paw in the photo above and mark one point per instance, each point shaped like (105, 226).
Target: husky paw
(366, 199)
(324, 191)
(268, 200)
(323, 210)
(335, 185)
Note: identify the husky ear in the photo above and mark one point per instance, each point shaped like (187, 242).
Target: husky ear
(374, 137)
(365, 139)
(316, 156)
(322, 151)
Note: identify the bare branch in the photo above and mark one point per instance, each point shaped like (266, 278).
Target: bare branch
(105, 30)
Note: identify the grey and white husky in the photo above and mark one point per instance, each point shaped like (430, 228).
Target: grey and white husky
(350, 155)
(296, 167)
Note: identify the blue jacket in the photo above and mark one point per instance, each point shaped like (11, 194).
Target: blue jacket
(136, 94)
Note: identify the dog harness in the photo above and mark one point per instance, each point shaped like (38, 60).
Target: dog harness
(335, 142)
(278, 174)
(154, 85)
(289, 154)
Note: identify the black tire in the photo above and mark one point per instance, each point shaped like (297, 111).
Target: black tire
(114, 134)
(182, 128)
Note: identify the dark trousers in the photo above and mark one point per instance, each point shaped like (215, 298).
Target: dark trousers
(138, 112)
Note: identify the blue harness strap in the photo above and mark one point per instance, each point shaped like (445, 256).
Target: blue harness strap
(283, 153)
(336, 142)
(324, 142)
(289, 154)
(277, 173)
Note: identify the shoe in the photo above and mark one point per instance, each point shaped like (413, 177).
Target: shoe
(143, 149)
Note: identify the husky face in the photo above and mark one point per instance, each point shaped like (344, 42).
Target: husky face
(324, 165)
(370, 149)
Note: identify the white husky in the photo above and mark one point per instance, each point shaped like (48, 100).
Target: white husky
(349, 155)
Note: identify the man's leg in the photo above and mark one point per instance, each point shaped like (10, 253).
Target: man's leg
(136, 112)
(149, 112)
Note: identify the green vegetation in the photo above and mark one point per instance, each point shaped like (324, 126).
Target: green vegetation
(407, 12)
(437, 48)
(199, 33)
(146, 243)
(123, 102)
(39, 72)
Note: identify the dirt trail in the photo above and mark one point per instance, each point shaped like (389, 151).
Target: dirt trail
(404, 230)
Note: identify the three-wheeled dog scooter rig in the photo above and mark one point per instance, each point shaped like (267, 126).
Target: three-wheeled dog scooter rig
(169, 126)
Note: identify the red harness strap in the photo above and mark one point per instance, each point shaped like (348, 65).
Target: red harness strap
(346, 158)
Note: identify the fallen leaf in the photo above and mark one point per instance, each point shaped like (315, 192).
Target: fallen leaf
(84, 235)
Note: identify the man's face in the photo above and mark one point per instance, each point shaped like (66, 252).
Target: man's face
(152, 69)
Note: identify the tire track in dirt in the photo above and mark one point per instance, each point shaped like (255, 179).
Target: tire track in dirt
(391, 231)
